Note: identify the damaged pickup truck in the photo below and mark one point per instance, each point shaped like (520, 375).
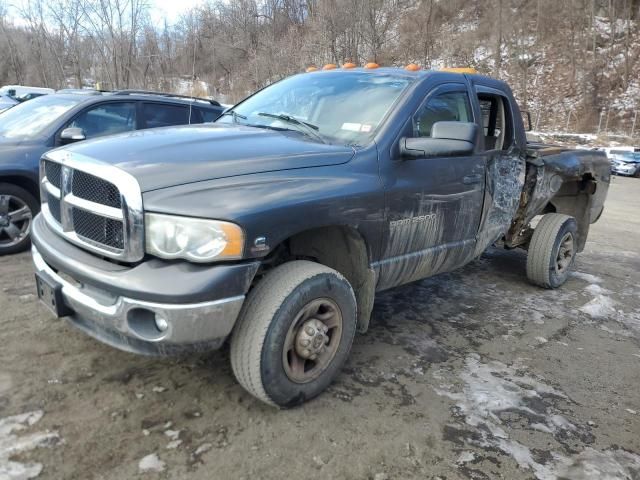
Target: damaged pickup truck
(274, 227)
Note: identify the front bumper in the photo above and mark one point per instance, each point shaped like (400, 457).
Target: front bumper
(128, 321)
(625, 169)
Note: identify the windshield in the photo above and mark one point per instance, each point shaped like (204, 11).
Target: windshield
(339, 108)
(30, 119)
(630, 156)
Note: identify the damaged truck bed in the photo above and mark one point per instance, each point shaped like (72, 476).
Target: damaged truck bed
(559, 180)
(276, 226)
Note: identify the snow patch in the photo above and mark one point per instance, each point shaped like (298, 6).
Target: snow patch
(11, 444)
(594, 465)
(492, 389)
(465, 457)
(205, 447)
(174, 444)
(599, 307)
(172, 434)
(587, 277)
(151, 463)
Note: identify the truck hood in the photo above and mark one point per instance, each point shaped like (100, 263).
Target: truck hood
(172, 156)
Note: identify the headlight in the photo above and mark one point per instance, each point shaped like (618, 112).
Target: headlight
(194, 239)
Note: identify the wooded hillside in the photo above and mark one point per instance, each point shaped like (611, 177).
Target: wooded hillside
(572, 63)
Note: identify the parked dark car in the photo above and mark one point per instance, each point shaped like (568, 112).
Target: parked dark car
(276, 226)
(31, 128)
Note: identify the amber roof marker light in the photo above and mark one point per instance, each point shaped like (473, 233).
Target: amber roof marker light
(311, 69)
(412, 67)
(371, 65)
(469, 70)
(330, 66)
(349, 65)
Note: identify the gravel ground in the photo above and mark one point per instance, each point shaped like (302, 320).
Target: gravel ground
(472, 374)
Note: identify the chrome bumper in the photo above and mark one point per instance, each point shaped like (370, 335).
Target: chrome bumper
(130, 324)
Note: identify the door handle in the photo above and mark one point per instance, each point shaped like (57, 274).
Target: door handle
(470, 179)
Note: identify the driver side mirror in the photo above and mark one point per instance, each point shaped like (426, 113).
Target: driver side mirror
(72, 134)
(448, 139)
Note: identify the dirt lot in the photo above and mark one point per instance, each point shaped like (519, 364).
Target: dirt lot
(473, 374)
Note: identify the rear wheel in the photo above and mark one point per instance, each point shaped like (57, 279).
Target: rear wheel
(294, 334)
(552, 250)
(17, 209)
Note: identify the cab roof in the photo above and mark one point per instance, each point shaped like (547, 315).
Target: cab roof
(451, 74)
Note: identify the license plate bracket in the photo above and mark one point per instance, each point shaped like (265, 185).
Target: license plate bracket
(50, 293)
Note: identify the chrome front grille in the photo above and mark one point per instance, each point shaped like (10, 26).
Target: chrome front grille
(94, 189)
(104, 231)
(79, 203)
(53, 173)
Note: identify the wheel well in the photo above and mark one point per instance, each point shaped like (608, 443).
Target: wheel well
(338, 247)
(22, 182)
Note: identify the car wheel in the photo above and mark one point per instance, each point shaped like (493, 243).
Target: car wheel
(17, 209)
(552, 250)
(294, 333)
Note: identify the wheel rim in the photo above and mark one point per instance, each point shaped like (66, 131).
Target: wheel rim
(15, 220)
(312, 340)
(565, 254)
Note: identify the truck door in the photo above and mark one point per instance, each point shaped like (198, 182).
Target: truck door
(505, 164)
(434, 204)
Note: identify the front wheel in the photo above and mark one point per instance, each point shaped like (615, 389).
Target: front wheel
(294, 334)
(552, 250)
(17, 209)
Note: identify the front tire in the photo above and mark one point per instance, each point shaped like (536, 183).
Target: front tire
(17, 209)
(552, 250)
(294, 333)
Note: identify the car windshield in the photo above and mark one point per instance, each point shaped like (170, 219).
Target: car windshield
(30, 119)
(332, 107)
(630, 156)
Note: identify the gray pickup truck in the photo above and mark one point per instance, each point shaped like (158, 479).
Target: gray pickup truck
(274, 227)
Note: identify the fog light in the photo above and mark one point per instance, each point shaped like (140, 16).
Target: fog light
(162, 324)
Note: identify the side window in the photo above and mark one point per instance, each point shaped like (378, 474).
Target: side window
(497, 122)
(444, 107)
(208, 115)
(158, 115)
(106, 119)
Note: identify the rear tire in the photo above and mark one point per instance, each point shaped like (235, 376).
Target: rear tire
(294, 333)
(17, 209)
(552, 250)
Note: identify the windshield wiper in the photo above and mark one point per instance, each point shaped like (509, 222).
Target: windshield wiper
(310, 129)
(234, 115)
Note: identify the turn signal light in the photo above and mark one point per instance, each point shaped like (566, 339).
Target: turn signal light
(330, 66)
(412, 67)
(372, 65)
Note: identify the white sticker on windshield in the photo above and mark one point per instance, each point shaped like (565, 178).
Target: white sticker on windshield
(352, 127)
